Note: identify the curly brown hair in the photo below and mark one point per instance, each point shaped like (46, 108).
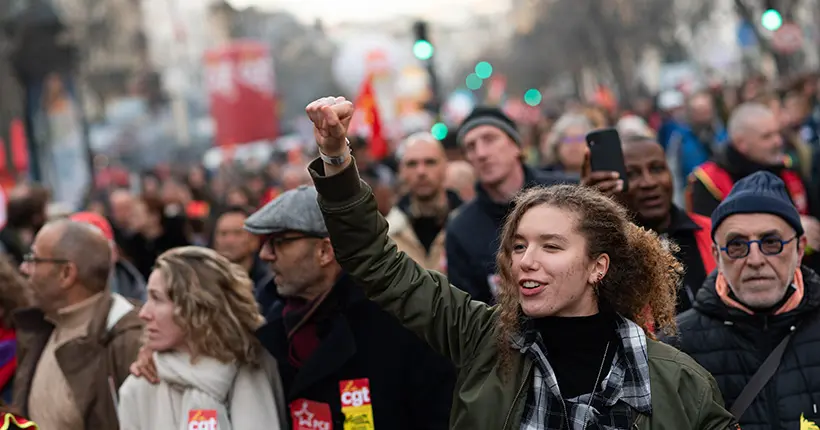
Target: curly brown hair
(14, 294)
(214, 304)
(641, 283)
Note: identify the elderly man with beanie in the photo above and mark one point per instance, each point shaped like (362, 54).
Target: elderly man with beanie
(755, 324)
(492, 145)
(342, 358)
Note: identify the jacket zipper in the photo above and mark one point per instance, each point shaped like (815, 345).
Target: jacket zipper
(518, 394)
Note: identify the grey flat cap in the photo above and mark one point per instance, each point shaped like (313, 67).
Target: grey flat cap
(293, 210)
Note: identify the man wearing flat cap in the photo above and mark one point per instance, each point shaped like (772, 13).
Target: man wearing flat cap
(331, 343)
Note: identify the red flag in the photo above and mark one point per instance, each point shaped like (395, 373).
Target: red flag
(366, 121)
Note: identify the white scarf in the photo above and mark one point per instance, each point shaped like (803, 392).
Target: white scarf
(243, 398)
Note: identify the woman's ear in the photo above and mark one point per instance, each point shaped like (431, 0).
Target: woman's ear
(599, 268)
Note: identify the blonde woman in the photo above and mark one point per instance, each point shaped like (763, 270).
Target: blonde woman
(200, 319)
(564, 147)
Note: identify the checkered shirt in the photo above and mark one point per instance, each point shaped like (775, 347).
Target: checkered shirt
(622, 394)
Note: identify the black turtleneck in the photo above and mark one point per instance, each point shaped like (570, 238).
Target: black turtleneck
(575, 350)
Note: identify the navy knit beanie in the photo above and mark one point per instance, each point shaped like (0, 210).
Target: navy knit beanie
(761, 192)
(488, 115)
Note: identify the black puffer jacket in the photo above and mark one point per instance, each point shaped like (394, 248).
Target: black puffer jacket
(732, 345)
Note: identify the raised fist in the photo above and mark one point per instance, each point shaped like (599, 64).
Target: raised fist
(331, 117)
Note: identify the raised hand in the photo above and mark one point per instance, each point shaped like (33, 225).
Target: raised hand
(331, 118)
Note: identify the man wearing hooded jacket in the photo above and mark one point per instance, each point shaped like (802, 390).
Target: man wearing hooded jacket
(759, 297)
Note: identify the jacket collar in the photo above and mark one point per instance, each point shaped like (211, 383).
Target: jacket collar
(108, 320)
(708, 302)
(106, 316)
(680, 222)
(628, 379)
(499, 210)
(739, 166)
(336, 348)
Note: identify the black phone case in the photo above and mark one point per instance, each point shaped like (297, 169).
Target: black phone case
(605, 153)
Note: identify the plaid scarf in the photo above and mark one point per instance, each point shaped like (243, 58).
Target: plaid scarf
(622, 393)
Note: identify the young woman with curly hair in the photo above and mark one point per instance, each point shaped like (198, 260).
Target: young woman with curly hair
(200, 319)
(568, 345)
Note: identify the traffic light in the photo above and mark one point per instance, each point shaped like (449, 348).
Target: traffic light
(771, 20)
(422, 48)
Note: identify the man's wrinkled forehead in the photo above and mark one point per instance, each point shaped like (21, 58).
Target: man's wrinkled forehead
(753, 226)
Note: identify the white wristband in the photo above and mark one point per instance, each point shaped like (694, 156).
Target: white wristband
(336, 160)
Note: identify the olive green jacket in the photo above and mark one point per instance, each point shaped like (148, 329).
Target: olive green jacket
(684, 395)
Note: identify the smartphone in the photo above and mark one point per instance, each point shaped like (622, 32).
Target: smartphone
(605, 153)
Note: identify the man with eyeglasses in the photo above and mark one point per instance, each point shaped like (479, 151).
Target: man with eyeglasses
(331, 343)
(75, 347)
(755, 324)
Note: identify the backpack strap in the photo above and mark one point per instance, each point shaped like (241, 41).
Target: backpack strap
(760, 378)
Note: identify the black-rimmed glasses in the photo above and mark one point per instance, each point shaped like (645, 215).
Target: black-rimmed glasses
(768, 245)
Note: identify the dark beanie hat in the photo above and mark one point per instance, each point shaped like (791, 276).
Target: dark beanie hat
(761, 192)
(488, 115)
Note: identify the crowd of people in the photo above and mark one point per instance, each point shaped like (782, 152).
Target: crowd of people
(491, 280)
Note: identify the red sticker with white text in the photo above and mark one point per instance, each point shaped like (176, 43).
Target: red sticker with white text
(310, 415)
(202, 419)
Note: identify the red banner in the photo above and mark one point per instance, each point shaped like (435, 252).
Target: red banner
(241, 84)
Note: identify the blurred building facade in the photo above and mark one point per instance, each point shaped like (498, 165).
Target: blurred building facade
(111, 47)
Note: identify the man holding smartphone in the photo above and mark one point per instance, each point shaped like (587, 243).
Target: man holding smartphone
(649, 196)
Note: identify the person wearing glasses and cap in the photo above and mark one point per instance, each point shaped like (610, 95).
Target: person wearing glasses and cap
(342, 359)
(755, 324)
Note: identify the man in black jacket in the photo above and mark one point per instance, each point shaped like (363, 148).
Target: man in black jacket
(492, 145)
(759, 297)
(341, 357)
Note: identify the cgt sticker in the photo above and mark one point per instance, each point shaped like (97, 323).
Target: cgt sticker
(356, 404)
(202, 419)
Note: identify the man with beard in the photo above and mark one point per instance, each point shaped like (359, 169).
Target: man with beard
(417, 221)
(328, 338)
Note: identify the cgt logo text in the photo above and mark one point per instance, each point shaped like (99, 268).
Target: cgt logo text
(356, 398)
(202, 420)
(211, 424)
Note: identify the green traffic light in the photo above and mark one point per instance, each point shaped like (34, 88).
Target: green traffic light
(532, 97)
(439, 130)
(771, 20)
(423, 50)
(473, 82)
(484, 70)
